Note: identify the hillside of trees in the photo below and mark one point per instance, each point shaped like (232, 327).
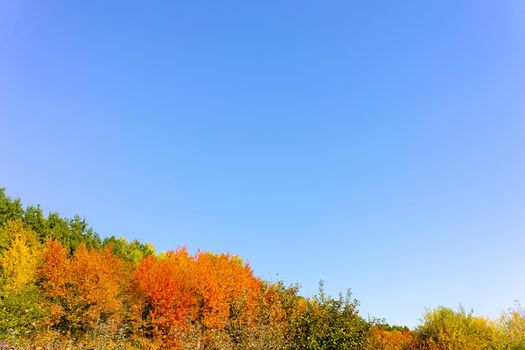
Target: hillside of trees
(62, 286)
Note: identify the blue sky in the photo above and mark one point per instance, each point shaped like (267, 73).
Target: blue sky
(376, 145)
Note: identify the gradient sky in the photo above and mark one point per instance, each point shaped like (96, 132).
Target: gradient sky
(377, 145)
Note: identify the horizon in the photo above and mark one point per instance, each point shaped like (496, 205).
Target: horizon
(377, 147)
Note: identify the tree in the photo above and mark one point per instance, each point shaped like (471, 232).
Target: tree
(512, 325)
(84, 290)
(228, 296)
(19, 298)
(384, 337)
(133, 251)
(329, 324)
(18, 256)
(164, 285)
(10, 209)
(35, 220)
(447, 329)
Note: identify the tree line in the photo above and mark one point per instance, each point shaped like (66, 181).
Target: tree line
(64, 287)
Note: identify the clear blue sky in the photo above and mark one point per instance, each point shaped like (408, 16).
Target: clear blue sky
(378, 145)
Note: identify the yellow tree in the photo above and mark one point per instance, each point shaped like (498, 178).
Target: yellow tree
(512, 326)
(446, 329)
(18, 262)
(20, 302)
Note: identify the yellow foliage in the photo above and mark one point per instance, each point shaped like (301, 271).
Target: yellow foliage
(447, 329)
(18, 262)
(512, 326)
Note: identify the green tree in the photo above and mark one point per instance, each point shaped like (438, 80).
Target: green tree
(10, 209)
(330, 324)
(34, 219)
(70, 232)
(133, 251)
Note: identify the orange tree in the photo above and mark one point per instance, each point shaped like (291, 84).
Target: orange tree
(84, 291)
(202, 300)
(228, 296)
(164, 285)
(384, 337)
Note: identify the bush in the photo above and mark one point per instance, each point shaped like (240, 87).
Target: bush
(20, 314)
(446, 329)
(330, 324)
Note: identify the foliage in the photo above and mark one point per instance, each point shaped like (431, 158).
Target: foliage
(391, 338)
(62, 287)
(19, 298)
(84, 291)
(327, 323)
(18, 257)
(10, 209)
(447, 329)
(20, 313)
(196, 297)
(512, 325)
(165, 287)
(133, 251)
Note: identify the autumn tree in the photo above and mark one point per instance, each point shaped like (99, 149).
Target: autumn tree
(227, 295)
(512, 326)
(447, 329)
(19, 298)
(165, 287)
(272, 319)
(18, 256)
(84, 290)
(384, 337)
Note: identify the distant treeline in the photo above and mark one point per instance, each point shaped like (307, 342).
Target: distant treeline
(63, 287)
